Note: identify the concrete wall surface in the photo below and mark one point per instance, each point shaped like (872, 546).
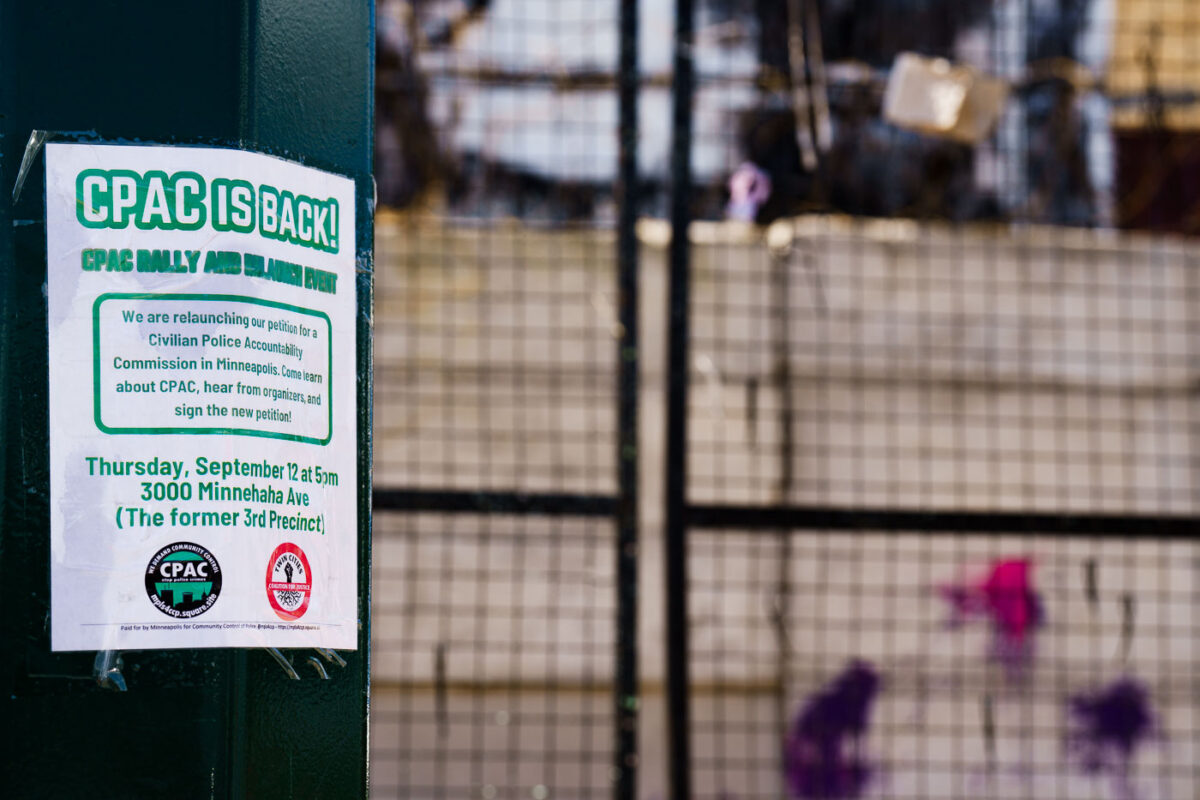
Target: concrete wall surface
(843, 365)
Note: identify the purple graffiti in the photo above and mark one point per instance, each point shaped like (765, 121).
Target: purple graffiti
(1007, 598)
(1107, 727)
(823, 750)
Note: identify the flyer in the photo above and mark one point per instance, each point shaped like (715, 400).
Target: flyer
(203, 448)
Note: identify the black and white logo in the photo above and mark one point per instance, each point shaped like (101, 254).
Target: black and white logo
(183, 580)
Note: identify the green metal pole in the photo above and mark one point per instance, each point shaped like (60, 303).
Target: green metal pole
(291, 78)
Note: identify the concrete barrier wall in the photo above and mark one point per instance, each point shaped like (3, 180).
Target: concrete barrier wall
(957, 369)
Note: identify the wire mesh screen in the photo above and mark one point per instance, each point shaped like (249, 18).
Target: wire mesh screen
(779, 618)
(941, 368)
(1065, 112)
(986, 349)
(493, 634)
(895, 366)
(494, 624)
(495, 357)
(978, 352)
(493, 657)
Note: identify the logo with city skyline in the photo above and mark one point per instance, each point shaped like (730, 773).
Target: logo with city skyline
(183, 580)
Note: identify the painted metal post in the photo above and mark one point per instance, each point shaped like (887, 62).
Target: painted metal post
(293, 78)
(628, 695)
(675, 541)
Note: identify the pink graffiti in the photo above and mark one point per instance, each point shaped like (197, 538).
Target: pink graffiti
(1007, 598)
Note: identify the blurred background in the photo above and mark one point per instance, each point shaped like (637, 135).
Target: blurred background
(942, 362)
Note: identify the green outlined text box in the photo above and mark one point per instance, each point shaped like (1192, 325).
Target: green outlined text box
(208, 429)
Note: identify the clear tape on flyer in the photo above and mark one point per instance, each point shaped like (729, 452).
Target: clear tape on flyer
(108, 665)
(107, 670)
(32, 148)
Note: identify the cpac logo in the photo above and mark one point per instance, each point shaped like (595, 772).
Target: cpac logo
(183, 580)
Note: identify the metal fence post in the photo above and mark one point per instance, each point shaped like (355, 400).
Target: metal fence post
(675, 544)
(291, 78)
(628, 696)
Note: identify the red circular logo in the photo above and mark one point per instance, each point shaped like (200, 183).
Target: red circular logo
(289, 582)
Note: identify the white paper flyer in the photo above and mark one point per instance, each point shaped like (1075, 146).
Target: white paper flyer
(203, 445)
